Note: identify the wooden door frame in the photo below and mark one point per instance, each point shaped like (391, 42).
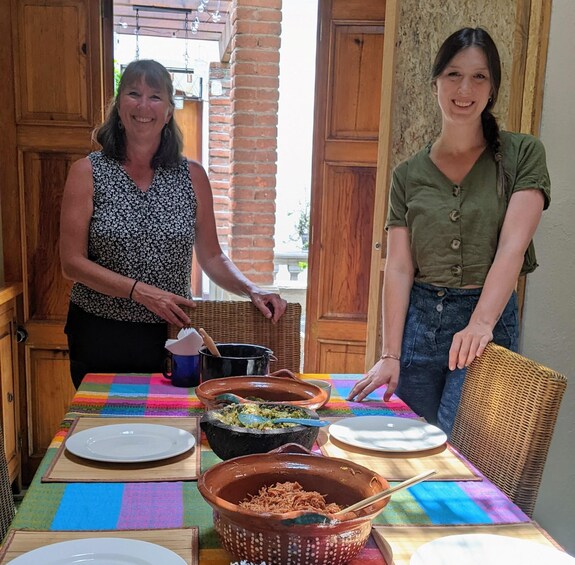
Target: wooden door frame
(531, 39)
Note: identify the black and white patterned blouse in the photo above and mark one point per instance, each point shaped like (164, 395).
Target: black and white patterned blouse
(147, 236)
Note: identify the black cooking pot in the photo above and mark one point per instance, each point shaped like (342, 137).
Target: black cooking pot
(236, 359)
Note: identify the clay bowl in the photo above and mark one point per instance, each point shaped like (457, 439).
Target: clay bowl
(268, 388)
(255, 537)
(229, 441)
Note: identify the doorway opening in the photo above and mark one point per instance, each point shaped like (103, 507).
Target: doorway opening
(191, 58)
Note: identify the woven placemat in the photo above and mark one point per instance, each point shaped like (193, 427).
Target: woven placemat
(401, 466)
(399, 543)
(68, 468)
(183, 541)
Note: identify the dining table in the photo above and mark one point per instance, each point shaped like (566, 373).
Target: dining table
(161, 506)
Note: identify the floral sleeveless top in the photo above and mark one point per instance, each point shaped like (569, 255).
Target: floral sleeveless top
(147, 236)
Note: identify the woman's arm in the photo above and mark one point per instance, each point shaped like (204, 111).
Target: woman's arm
(213, 260)
(521, 220)
(76, 214)
(397, 283)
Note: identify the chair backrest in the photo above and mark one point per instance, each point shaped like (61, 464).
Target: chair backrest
(505, 421)
(241, 322)
(7, 510)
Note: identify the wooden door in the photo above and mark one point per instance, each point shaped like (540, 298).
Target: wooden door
(346, 129)
(190, 120)
(8, 400)
(58, 53)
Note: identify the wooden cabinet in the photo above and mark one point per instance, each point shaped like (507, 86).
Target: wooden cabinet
(56, 60)
(9, 381)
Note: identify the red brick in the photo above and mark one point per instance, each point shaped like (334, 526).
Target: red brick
(245, 13)
(221, 118)
(245, 193)
(249, 68)
(254, 131)
(258, 242)
(256, 81)
(254, 229)
(253, 144)
(247, 207)
(255, 94)
(265, 183)
(254, 168)
(257, 55)
(251, 254)
(250, 217)
(219, 137)
(239, 155)
(275, 4)
(219, 101)
(256, 28)
(215, 152)
(259, 106)
(256, 41)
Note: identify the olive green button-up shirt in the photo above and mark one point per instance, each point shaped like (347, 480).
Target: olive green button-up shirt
(454, 228)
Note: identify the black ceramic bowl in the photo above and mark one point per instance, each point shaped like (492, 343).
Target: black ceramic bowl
(228, 441)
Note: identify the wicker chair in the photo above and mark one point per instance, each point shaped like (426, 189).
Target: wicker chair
(7, 510)
(242, 322)
(506, 418)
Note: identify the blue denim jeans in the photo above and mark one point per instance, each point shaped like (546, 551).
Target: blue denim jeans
(435, 314)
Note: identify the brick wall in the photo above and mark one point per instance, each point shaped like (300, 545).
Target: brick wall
(256, 28)
(220, 149)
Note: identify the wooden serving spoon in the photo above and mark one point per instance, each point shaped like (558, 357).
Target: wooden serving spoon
(384, 493)
(209, 343)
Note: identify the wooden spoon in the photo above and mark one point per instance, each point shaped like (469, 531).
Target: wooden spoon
(384, 493)
(209, 343)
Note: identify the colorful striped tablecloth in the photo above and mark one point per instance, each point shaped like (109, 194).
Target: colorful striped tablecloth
(124, 506)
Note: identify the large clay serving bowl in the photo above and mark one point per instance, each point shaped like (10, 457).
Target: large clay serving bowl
(229, 441)
(263, 388)
(277, 538)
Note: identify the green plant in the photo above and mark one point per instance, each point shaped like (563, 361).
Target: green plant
(302, 226)
(117, 76)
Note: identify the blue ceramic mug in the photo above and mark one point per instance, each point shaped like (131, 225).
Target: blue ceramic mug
(182, 370)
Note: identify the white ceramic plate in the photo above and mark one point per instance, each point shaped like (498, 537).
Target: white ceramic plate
(387, 433)
(130, 443)
(483, 549)
(100, 551)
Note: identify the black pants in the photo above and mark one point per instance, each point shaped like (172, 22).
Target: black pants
(100, 345)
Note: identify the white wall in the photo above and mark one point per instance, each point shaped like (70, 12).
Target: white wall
(549, 323)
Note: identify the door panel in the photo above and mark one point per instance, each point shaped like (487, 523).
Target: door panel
(349, 208)
(355, 86)
(346, 128)
(59, 60)
(49, 378)
(53, 78)
(44, 175)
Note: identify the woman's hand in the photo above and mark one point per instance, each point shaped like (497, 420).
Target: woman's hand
(270, 304)
(468, 344)
(385, 371)
(163, 303)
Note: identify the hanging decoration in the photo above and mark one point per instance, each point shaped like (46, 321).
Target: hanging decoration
(137, 32)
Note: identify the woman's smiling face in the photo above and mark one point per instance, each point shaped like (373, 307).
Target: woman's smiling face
(144, 109)
(464, 87)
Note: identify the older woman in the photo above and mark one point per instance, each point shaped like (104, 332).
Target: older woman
(132, 214)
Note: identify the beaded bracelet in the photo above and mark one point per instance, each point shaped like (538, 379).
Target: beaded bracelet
(132, 291)
(390, 356)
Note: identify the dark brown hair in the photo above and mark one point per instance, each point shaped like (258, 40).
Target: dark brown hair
(110, 135)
